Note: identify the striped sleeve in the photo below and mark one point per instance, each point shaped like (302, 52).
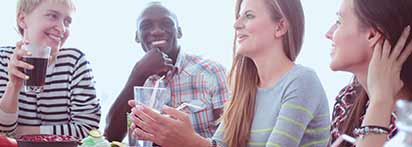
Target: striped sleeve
(84, 106)
(8, 121)
(299, 107)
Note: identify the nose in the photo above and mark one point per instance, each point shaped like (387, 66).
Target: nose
(331, 31)
(238, 24)
(157, 31)
(61, 27)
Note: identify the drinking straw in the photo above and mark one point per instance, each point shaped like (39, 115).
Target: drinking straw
(153, 97)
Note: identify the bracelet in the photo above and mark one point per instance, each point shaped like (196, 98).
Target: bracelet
(370, 129)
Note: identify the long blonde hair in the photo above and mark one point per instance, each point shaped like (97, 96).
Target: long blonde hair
(243, 78)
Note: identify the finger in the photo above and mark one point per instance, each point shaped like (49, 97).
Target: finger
(386, 49)
(143, 121)
(22, 52)
(141, 135)
(164, 55)
(174, 113)
(401, 43)
(19, 45)
(156, 116)
(132, 103)
(18, 73)
(376, 39)
(167, 67)
(168, 60)
(405, 53)
(23, 65)
(377, 51)
(140, 115)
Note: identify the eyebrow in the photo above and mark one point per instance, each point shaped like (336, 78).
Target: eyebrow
(248, 11)
(57, 12)
(53, 11)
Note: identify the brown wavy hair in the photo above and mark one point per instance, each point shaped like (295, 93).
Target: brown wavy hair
(389, 17)
(243, 78)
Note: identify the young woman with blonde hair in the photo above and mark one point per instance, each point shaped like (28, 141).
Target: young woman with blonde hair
(274, 102)
(68, 104)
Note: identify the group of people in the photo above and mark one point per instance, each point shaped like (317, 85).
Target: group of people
(265, 100)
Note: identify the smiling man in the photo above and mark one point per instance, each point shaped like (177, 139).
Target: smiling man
(198, 83)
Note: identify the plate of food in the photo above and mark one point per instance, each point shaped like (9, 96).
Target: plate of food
(47, 140)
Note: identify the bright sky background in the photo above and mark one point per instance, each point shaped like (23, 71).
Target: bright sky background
(104, 30)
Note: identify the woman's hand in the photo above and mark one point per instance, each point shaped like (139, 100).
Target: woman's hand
(384, 80)
(16, 66)
(171, 130)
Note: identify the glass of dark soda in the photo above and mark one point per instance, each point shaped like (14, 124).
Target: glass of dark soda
(39, 59)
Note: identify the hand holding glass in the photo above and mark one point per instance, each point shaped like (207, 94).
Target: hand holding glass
(37, 75)
(152, 97)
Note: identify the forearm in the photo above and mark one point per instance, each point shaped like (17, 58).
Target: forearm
(9, 101)
(377, 114)
(116, 119)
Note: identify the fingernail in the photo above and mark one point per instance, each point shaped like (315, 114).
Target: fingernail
(26, 77)
(29, 53)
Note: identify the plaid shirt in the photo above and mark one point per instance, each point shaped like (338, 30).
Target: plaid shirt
(344, 104)
(198, 82)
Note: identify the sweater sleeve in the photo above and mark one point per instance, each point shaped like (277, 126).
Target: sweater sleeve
(8, 121)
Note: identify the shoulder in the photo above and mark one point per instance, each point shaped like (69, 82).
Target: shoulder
(199, 64)
(303, 75)
(348, 93)
(303, 82)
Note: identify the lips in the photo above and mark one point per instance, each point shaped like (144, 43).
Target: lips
(241, 37)
(57, 38)
(332, 52)
(161, 44)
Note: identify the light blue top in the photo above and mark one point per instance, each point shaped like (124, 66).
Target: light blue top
(292, 113)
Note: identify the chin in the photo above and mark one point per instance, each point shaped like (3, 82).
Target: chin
(334, 66)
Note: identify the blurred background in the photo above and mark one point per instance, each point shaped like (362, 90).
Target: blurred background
(104, 30)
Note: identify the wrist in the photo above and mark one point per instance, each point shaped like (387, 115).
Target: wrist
(200, 141)
(382, 105)
(378, 115)
(382, 99)
(13, 87)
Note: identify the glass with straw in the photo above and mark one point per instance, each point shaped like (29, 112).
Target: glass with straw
(153, 97)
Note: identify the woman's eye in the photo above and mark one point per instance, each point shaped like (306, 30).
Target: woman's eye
(52, 16)
(338, 22)
(250, 16)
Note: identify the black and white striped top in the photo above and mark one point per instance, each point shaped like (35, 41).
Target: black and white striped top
(68, 103)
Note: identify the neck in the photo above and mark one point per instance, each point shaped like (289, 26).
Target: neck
(271, 66)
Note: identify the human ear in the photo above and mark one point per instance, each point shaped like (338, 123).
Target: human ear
(282, 27)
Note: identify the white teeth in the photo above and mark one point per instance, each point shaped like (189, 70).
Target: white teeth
(55, 37)
(158, 42)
